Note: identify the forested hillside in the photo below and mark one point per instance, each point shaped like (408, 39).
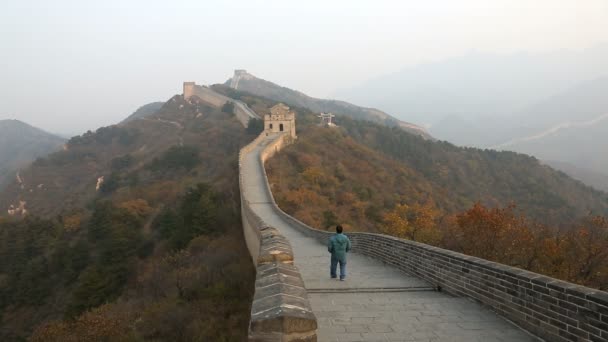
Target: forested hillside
(501, 206)
(151, 251)
(379, 167)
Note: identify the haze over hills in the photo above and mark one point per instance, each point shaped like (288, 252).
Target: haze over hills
(479, 85)
(552, 106)
(20, 144)
(569, 128)
(257, 86)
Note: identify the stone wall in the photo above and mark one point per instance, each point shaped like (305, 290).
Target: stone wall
(548, 308)
(208, 95)
(280, 310)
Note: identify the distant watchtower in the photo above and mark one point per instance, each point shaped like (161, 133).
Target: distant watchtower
(326, 119)
(188, 89)
(280, 119)
(238, 74)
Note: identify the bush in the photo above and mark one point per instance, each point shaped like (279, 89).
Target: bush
(255, 126)
(122, 162)
(177, 157)
(228, 107)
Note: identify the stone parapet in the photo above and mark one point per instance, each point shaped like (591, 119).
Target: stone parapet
(280, 310)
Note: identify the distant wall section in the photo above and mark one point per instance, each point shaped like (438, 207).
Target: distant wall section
(241, 110)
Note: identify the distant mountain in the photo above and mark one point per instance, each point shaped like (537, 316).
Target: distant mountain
(570, 127)
(20, 144)
(478, 84)
(145, 110)
(592, 178)
(257, 86)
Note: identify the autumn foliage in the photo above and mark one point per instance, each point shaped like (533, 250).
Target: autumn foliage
(415, 222)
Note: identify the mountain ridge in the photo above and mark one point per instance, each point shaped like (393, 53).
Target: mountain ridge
(257, 86)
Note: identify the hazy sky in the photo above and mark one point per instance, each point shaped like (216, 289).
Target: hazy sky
(68, 66)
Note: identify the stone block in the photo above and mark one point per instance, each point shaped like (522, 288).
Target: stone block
(283, 314)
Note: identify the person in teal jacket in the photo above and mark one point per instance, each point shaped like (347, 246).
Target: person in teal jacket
(338, 246)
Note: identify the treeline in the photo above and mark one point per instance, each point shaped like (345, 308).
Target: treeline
(182, 275)
(578, 254)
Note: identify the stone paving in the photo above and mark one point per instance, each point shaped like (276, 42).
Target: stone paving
(376, 302)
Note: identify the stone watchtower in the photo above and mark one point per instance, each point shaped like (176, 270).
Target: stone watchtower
(280, 119)
(188, 89)
(238, 75)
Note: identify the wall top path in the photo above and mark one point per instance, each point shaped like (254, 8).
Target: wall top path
(377, 302)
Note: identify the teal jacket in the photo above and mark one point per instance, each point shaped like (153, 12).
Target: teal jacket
(338, 246)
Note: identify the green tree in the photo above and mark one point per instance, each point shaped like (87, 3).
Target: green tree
(255, 126)
(228, 107)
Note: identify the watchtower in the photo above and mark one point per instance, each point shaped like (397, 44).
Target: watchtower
(188, 89)
(326, 119)
(280, 119)
(238, 75)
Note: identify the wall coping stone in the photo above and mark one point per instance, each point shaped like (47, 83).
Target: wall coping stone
(280, 310)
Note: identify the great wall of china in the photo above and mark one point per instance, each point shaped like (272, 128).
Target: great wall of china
(398, 290)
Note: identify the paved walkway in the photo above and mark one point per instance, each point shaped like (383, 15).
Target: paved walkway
(376, 302)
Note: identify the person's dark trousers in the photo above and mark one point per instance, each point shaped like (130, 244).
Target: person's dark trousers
(334, 265)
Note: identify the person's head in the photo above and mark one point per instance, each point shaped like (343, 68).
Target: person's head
(339, 229)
